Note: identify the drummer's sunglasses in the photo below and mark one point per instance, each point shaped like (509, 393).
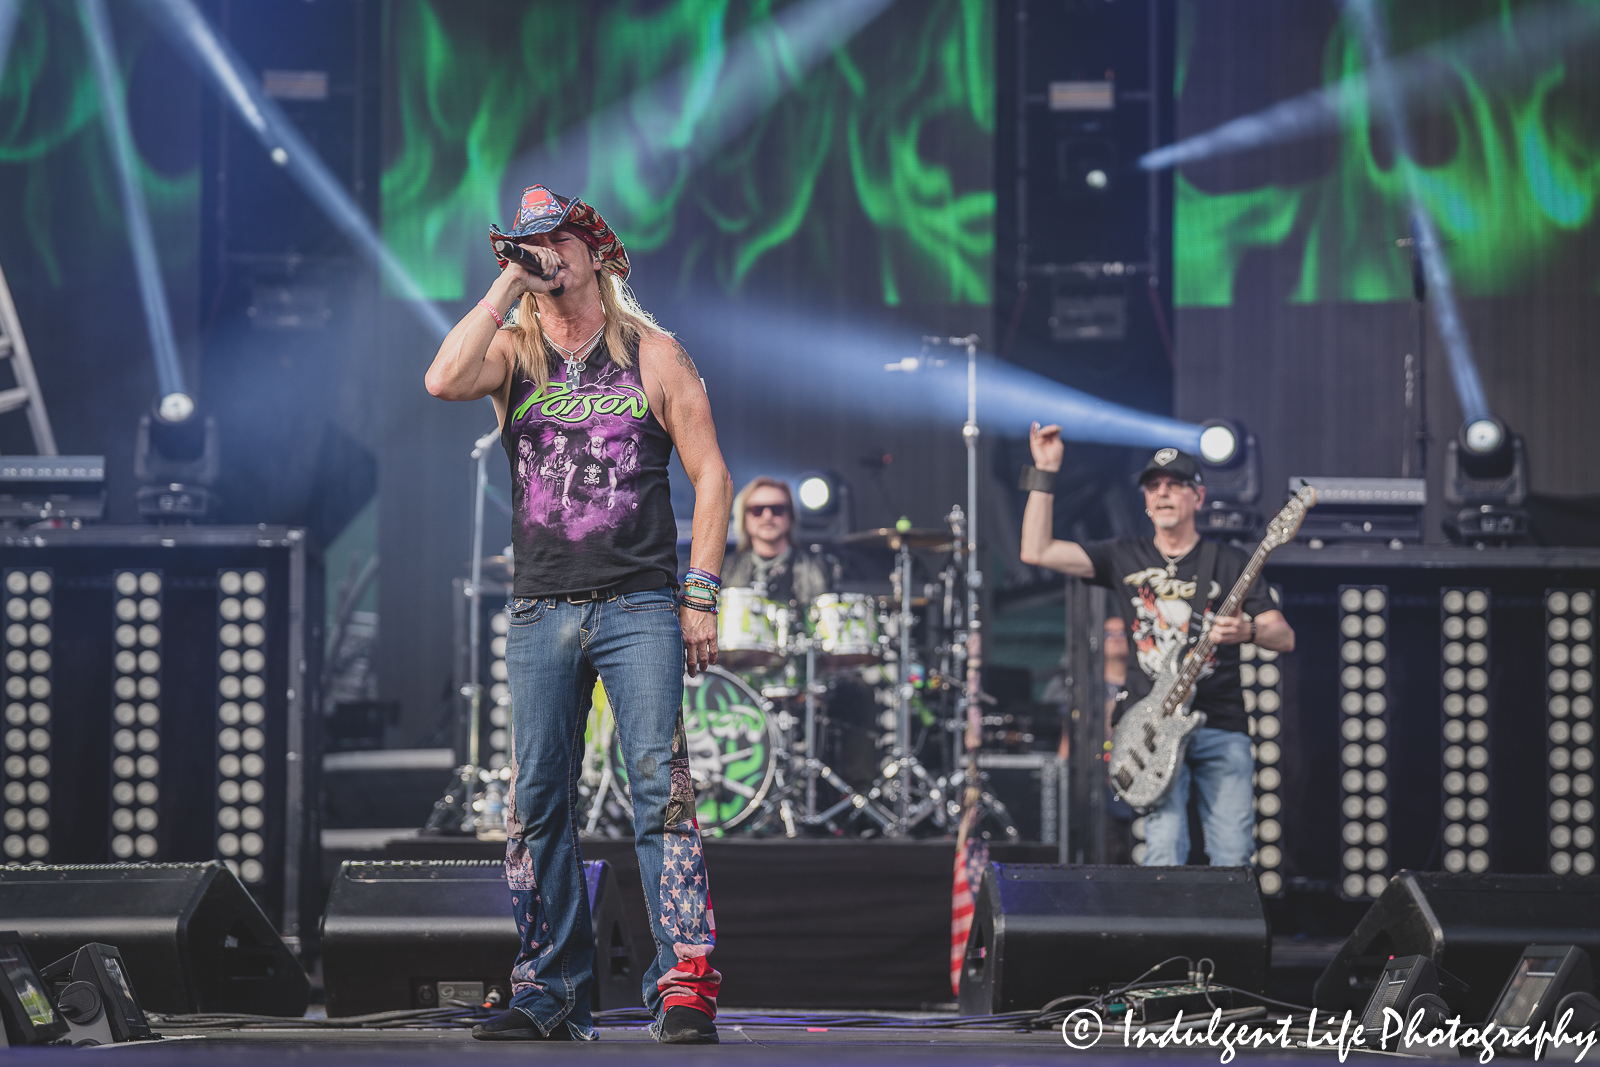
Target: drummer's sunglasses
(759, 510)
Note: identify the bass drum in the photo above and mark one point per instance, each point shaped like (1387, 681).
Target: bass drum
(733, 750)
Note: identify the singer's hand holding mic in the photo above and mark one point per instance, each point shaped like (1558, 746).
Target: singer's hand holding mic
(539, 263)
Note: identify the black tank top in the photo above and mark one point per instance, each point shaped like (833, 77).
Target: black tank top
(591, 508)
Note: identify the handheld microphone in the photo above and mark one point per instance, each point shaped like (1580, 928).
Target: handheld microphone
(517, 254)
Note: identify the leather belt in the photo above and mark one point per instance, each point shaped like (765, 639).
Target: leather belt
(589, 595)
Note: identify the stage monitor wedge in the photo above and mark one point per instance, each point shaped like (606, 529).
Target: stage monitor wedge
(421, 934)
(1042, 931)
(191, 937)
(1474, 925)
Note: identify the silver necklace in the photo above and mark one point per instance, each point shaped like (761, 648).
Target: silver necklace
(575, 362)
(1172, 562)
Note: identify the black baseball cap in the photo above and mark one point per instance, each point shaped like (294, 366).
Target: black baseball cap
(1180, 465)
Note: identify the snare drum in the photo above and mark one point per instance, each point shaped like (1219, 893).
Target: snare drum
(845, 628)
(747, 630)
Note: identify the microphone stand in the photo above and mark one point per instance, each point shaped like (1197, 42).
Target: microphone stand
(457, 812)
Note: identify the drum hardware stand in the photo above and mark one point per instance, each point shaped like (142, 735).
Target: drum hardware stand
(466, 795)
(811, 768)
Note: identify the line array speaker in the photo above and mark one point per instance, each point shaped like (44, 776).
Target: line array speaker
(1473, 925)
(1043, 931)
(417, 934)
(192, 938)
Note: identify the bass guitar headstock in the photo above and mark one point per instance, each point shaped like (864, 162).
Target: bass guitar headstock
(1284, 525)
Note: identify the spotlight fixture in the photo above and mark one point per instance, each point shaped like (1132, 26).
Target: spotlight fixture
(1486, 477)
(816, 493)
(175, 407)
(1085, 163)
(1364, 725)
(824, 505)
(1230, 463)
(1219, 443)
(1483, 436)
(1464, 729)
(176, 456)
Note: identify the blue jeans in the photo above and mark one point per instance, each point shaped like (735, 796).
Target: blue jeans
(1219, 763)
(554, 652)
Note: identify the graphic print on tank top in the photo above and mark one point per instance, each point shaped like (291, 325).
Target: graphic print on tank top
(577, 452)
(590, 496)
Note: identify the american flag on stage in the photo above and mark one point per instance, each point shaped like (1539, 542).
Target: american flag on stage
(972, 856)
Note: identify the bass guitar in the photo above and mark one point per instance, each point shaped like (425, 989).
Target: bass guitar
(1148, 744)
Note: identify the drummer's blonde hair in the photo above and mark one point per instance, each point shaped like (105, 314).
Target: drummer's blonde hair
(742, 539)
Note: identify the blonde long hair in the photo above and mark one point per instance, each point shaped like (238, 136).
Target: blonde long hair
(626, 324)
(742, 536)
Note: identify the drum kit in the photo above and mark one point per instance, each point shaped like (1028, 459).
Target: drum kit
(757, 725)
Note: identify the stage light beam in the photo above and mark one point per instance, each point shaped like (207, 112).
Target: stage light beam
(664, 130)
(216, 61)
(10, 14)
(1425, 239)
(146, 264)
(1415, 76)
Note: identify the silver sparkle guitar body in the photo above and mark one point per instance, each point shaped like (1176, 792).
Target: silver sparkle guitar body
(1149, 743)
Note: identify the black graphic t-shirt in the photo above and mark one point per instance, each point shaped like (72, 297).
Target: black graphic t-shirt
(1156, 609)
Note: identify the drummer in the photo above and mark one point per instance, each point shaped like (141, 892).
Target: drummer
(767, 560)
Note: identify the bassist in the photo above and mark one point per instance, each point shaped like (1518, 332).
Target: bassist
(1167, 588)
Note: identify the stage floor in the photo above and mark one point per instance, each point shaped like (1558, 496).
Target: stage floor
(740, 1043)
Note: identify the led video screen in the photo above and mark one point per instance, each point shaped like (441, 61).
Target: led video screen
(810, 145)
(1499, 98)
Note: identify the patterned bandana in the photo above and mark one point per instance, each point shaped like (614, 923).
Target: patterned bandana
(541, 211)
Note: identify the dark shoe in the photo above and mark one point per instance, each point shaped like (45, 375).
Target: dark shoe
(517, 1025)
(683, 1025)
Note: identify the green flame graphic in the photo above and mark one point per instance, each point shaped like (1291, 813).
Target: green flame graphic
(1513, 194)
(895, 129)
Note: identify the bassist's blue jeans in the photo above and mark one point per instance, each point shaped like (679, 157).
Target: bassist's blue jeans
(1218, 763)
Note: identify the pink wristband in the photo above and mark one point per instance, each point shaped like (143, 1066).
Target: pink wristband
(498, 321)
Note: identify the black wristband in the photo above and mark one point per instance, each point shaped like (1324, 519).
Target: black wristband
(1035, 480)
(1252, 629)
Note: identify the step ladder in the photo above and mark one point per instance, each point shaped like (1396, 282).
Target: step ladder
(26, 393)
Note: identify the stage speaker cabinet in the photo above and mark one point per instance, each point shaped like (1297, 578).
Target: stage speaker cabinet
(189, 937)
(159, 703)
(1473, 925)
(1044, 931)
(421, 934)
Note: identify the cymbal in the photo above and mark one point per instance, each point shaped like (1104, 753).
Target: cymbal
(889, 537)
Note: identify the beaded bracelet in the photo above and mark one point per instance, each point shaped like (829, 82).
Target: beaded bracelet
(710, 608)
(696, 572)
